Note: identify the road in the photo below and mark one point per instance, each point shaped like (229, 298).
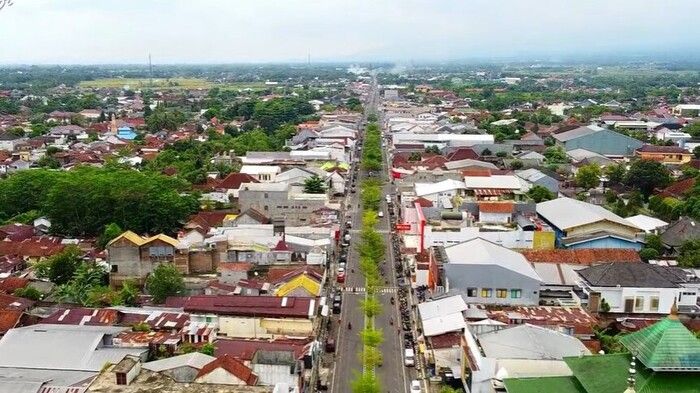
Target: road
(393, 376)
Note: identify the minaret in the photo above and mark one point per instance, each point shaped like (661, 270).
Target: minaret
(674, 311)
(113, 125)
(631, 379)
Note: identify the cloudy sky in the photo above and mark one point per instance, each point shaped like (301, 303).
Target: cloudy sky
(233, 31)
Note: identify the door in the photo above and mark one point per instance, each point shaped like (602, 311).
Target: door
(629, 305)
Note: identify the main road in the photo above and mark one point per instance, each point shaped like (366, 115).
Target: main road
(393, 376)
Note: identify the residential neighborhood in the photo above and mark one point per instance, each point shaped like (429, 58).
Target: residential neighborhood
(349, 223)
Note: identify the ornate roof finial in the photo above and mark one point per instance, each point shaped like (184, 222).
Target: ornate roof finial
(631, 379)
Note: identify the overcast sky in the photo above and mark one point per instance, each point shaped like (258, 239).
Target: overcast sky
(233, 31)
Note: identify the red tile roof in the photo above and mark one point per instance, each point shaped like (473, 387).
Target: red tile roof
(568, 317)
(584, 256)
(246, 349)
(10, 284)
(447, 340)
(423, 202)
(679, 188)
(255, 306)
(83, 316)
(463, 154)
(276, 276)
(662, 149)
(34, 247)
(157, 320)
(477, 172)
(9, 302)
(234, 180)
(16, 232)
(9, 319)
(233, 366)
(496, 207)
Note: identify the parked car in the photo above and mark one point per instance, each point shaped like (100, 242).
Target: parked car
(380, 214)
(330, 345)
(415, 386)
(340, 278)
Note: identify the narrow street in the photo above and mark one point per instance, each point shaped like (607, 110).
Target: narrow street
(393, 375)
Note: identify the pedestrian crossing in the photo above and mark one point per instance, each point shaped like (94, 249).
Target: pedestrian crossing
(363, 290)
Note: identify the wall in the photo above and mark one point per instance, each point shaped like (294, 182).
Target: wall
(220, 376)
(460, 277)
(126, 256)
(615, 297)
(182, 374)
(246, 327)
(543, 240)
(602, 226)
(500, 218)
(511, 239)
(608, 242)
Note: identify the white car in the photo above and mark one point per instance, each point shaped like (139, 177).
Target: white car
(380, 214)
(341, 270)
(415, 386)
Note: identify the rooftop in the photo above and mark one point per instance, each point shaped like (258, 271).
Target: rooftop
(565, 213)
(483, 252)
(638, 275)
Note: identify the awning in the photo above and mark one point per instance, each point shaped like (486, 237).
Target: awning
(490, 191)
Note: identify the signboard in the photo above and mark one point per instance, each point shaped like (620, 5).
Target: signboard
(402, 227)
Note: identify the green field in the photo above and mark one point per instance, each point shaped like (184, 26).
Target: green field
(170, 83)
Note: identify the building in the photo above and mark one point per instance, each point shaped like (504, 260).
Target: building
(663, 358)
(133, 257)
(578, 224)
(598, 140)
(499, 352)
(537, 178)
(675, 155)
(276, 201)
(640, 288)
(490, 274)
(686, 110)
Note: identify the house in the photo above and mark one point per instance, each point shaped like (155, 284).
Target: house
(496, 212)
(599, 140)
(91, 114)
(687, 110)
(482, 185)
(578, 224)
(278, 202)
(675, 155)
(442, 316)
(233, 183)
(441, 193)
(251, 316)
(537, 178)
(684, 229)
(662, 358)
(181, 368)
(640, 288)
(126, 133)
(226, 370)
(262, 173)
(500, 352)
(490, 274)
(133, 257)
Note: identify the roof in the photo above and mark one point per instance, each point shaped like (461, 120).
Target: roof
(582, 256)
(638, 275)
(434, 188)
(479, 251)
(9, 319)
(10, 284)
(260, 169)
(235, 266)
(554, 317)
(195, 360)
(609, 373)
(565, 384)
(234, 180)
(509, 182)
(577, 133)
(444, 306)
(447, 340)
(530, 342)
(677, 233)
(83, 316)
(246, 349)
(678, 189)
(663, 149)
(496, 207)
(566, 213)
(233, 366)
(9, 302)
(443, 324)
(646, 223)
(256, 306)
(64, 347)
(665, 346)
(140, 240)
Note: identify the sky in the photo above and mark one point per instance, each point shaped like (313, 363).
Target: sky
(245, 31)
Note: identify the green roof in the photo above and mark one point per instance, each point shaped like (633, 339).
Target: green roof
(665, 346)
(544, 384)
(609, 373)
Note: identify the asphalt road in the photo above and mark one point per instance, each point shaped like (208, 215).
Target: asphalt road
(393, 376)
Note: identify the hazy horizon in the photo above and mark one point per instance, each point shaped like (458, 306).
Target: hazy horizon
(84, 32)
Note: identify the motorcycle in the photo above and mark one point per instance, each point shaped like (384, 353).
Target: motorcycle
(349, 326)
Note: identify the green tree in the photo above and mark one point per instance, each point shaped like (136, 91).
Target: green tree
(588, 176)
(555, 154)
(165, 281)
(129, 294)
(29, 292)
(414, 156)
(516, 164)
(365, 383)
(87, 287)
(434, 149)
(689, 254)
(314, 185)
(370, 306)
(648, 254)
(647, 175)
(696, 152)
(654, 242)
(62, 266)
(540, 194)
(207, 349)
(112, 230)
(371, 337)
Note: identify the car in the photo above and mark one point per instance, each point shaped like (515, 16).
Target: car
(380, 214)
(415, 386)
(341, 269)
(340, 278)
(348, 224)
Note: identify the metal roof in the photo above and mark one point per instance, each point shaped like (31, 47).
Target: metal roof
(479, 251)
(565, 213)
(530, 342)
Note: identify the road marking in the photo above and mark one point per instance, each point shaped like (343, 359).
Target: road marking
(362, 290)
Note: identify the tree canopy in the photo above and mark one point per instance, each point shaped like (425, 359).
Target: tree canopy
(646, 175)
(165, 281)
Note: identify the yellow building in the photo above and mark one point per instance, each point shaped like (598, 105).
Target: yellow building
(666, 154)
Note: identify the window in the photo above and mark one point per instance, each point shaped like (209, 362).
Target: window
(121, 378)
(265, 208)
(501, 293)
(115, 269)
(486, 292)
(654, 303)
(471, 292)
(516, 293)
(265, 196)
(159, 251)
(638, 304)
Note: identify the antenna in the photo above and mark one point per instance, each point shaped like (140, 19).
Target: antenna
(308, 58)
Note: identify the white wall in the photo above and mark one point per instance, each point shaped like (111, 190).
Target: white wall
(500, 218)
(615, 297)
(220, 376)
(510, 239)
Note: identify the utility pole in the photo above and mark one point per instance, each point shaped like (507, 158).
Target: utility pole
(150, 71)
